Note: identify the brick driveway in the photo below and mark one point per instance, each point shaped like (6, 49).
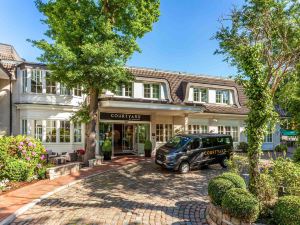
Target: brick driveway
(136, 194)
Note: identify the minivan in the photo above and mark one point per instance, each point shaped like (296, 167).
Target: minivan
(185, 152)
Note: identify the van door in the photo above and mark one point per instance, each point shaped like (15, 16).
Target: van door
(193, 152)
(208, 145)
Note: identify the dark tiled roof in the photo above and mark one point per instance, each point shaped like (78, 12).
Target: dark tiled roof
(8, 52)
(178, 83)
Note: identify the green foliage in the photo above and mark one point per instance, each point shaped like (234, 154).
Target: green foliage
(240, 203)
(238, 164)
(243, 146)
(296, 155)
(286, 174)
(237, 180)
(281, 148)
(217, 187)
(263, 42)
(21, 157)
(148, 145)
(106, 147)
(287, 211)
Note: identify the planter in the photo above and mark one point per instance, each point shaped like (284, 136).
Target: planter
(148, 153)
(106, 155)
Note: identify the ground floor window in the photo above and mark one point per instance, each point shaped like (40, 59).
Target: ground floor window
(197, 129)
(38, 129)
(229, 130)
(77, 132)
(269, 136)
(50, 131)
(64, 132)
(24, 127)
(163, 132)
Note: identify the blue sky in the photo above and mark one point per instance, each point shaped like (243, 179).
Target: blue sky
(180, 41)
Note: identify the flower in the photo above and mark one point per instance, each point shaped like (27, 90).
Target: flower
(24, 151)
(34, 145)
(30, 144)
(39, 165)
(28, 158)
(21, 143)
(20, 147)
(33, 153)
(43, 157)
(27, 139)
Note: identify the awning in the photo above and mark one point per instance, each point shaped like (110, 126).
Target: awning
(289, 132)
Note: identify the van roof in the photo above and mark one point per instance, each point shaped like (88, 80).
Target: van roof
(205, 135)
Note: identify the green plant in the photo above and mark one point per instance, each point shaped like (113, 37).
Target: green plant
(240, 203)
(16, 170)
(217, 187)
(281, 148)
(237, 180)
(296, 156)
(286, 174)
(106, 147)
(148, 145)
(238, 164)
(287, 211)
(243, 146)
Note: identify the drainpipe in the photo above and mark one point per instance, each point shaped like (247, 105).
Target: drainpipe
(10, 105)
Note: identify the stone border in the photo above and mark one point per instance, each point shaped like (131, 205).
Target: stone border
(216, 216)
(28, 206)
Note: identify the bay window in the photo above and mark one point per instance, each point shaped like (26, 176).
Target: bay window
(50, 131)
(164, 132)
(24, 128)
(229, 130)
(38, 129)
(64, 90)
(77, 132)
(197, 129)
(24, 81)
(64, 131)
(222, 96)
(78, 91)
(200, 95)
(50, 85)
(36, 81)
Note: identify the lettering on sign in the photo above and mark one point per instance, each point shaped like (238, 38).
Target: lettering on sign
(123, 116)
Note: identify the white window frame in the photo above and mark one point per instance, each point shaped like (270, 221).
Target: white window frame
(24, 81)
(38, 129)
(222, 98)
(63, 89)
(230, 130)
(197, 129)
(35, 73)
(77, 132)
(124, 89)
(24, 127)
(151, 90)
(51, 86)
(77, 91)
(163, 132)
(198, 94)
(269, 136)
(52, 127)
(62, 125)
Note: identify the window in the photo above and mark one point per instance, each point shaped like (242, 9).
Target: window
(36, 81)
(164, 132)
(77, 132)
(229, 130)
(195, 144)
(196, 129)
(50, 131)
(78, 91)
(24, 81)
(124, 90)
(24, 127)
(200, 95)
(220, 130)
(269, 135)
(64, 90)
(222, 96)
(64, 132)
(235, 134)
(152, 91)
(50, 85)
(38, 129)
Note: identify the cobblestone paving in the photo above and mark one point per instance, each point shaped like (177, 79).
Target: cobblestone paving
(136, 194)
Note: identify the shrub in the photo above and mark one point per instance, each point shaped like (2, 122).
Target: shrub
(287, 210)
(148, 145)
(240, 203)
(286, 174)
(106, 147)
(243, 146)
(296, 156)
(281, 148)
(217, 187)
(16, 170)
(238, 164)
(237, 180)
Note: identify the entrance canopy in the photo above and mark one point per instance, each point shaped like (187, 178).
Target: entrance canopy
(289, 132)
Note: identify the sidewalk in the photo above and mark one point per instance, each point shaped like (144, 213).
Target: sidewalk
(14, 200)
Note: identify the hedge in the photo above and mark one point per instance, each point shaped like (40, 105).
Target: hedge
(237, 180)
(287, 210)
(217, 187)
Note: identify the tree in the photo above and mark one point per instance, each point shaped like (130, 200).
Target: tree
(262, 40)
(90, 42)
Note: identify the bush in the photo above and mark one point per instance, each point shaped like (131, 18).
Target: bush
(148, 145)
(106, 147)
(16, 170)
(238, 164)
(217, 187)
(243, 146)
(287, 211)
(286, 174)
(240, 203)
(281, 148)
(296, 156)
(237, 180)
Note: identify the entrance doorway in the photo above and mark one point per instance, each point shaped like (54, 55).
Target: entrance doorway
(123, 139)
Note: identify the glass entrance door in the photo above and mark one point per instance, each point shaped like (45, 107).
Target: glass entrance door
(123, 138)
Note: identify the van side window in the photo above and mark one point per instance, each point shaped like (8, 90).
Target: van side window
(206, 142)
(195, 144)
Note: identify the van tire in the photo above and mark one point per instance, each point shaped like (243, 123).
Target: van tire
(184, 167)
(223, 162)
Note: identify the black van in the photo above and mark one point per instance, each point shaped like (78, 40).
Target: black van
(185, 152)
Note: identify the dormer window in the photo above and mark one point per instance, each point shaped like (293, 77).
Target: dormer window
(124, 90)
(222, 96)
(36, 81)
(50, 85)
(200, 95)
(152, 91)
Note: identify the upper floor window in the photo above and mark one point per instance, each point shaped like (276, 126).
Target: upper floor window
(36, 81)
(222, 96)
(50, 85)
(78, 90)
(152, 91)
(64, 90)
(24, 81)
(124, 90)
(269, 136)
(200, 95)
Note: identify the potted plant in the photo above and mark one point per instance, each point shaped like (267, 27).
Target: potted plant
(106, 149)
(148, 148)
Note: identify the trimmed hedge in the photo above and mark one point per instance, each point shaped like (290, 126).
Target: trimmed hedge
(217, 187)
(241, 204)
(287, 210)
(296, 156)
(237, 180)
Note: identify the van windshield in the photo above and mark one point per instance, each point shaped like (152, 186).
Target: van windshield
(177, 142)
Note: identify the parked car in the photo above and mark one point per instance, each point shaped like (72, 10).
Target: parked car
(186, 152)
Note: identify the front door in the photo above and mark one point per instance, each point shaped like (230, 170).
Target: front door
(122, 139)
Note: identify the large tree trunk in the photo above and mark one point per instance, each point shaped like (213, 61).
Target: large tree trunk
(91, 126)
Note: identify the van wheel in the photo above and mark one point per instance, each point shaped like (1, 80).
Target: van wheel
(223, 162)
(184, 167)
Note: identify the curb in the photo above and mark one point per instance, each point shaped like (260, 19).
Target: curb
(28, 206)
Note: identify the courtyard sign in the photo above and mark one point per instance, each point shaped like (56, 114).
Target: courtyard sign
(122, 116)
